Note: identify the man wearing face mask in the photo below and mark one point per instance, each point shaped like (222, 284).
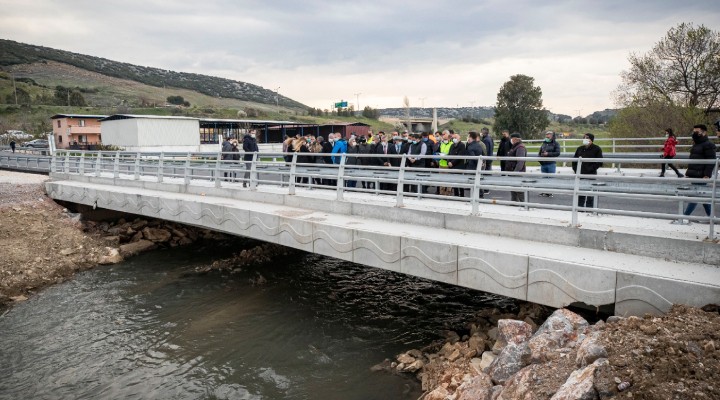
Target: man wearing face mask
(549, 148)
(587, 150)
(517, 150)
(702, 149)
(503, 148)
(457, 149)
(249, 148)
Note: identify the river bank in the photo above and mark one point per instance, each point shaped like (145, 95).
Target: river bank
(533, 353)
(44, 243)
(526, 356)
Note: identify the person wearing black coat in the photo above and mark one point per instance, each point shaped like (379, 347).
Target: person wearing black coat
(504, 148)
(249, 147)
(489, 145)
(550, 148)
(587, 150)
(702, 149)
(473, 149)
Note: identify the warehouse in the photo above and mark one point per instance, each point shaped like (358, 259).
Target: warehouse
(153, 133)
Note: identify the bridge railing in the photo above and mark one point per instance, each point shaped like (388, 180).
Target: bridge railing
(399, 176)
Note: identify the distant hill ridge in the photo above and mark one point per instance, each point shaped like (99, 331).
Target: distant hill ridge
(13, 53)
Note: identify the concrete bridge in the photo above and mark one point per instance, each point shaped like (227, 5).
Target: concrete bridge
(635, 264)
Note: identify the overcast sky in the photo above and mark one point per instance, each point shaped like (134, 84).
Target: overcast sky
(451, 53)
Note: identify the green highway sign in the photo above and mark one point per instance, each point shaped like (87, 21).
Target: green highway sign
(341, 104)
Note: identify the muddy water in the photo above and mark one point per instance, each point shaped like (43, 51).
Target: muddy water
(152, 328)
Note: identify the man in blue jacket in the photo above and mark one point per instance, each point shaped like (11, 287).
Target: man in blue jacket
(339, 147)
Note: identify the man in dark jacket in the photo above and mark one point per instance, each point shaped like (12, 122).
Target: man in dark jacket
(587, 150)
(249, 147)
(227, 149)
(503, 148)
(702, 149)
(517, 150)
(489, 146)
(457, 149)
(549, 148)
(474, 148)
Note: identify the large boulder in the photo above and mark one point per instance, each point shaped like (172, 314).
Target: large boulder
(156, 234)
(131, 249)
(562, 329)
(511, 331)
(590, 350)
(479, 387)
(521, 385)
(581, 383)
(510, 360)
(112, 257)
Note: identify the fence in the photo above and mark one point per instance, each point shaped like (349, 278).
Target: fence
(364, 173)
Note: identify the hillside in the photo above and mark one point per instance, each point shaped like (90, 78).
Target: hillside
(38, 64)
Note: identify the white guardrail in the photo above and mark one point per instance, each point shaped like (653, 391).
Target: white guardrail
(365, 173)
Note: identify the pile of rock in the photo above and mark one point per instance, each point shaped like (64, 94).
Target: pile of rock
(128, 238)
(515, 360)
(259, 254)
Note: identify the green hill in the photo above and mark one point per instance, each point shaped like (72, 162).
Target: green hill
(110, 83)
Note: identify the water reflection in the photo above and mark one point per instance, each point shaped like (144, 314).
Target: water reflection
(152, 328)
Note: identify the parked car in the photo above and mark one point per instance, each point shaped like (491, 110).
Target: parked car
(37, 143)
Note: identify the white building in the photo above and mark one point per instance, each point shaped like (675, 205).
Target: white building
(149, 133)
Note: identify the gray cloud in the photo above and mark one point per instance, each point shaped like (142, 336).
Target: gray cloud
(452, 52)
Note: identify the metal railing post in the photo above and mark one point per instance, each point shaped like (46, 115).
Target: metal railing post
(400, 182)
(53, 162)
(341, 177)
(293, 169)
(186, 172)
(136, 174)
(98, 163)
(576, 188)
(713, 197)
(253, 171)
(475, 192)
(217, 170)
(160, 167)
(66, 167)
(116, 165)
(81, 164)
(613, 150)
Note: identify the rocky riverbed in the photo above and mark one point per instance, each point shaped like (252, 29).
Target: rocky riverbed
(508, 356)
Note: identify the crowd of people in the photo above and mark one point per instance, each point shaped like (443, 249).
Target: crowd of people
(447, 151)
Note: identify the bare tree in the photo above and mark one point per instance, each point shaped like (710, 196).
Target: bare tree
(682, 69)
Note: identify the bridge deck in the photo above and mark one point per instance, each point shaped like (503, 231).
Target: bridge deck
(517, 254)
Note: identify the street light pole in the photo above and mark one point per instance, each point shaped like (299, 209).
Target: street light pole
(277, 103)
(357, 100)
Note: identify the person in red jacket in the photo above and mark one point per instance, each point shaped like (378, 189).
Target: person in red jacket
(669, 152)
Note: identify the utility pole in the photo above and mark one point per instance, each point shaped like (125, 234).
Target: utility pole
(277, 102)
(357, 101)
(14, 88)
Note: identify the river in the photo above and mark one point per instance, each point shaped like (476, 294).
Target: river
(151, 327)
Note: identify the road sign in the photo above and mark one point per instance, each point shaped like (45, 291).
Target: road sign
(341, 104)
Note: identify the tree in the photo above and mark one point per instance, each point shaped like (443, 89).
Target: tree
(682, 69)
(519, 107)
(370, 113)
(77, 99)
(650, 120)
(177, 100)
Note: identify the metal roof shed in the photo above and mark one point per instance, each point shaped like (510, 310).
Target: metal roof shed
(151, 132)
